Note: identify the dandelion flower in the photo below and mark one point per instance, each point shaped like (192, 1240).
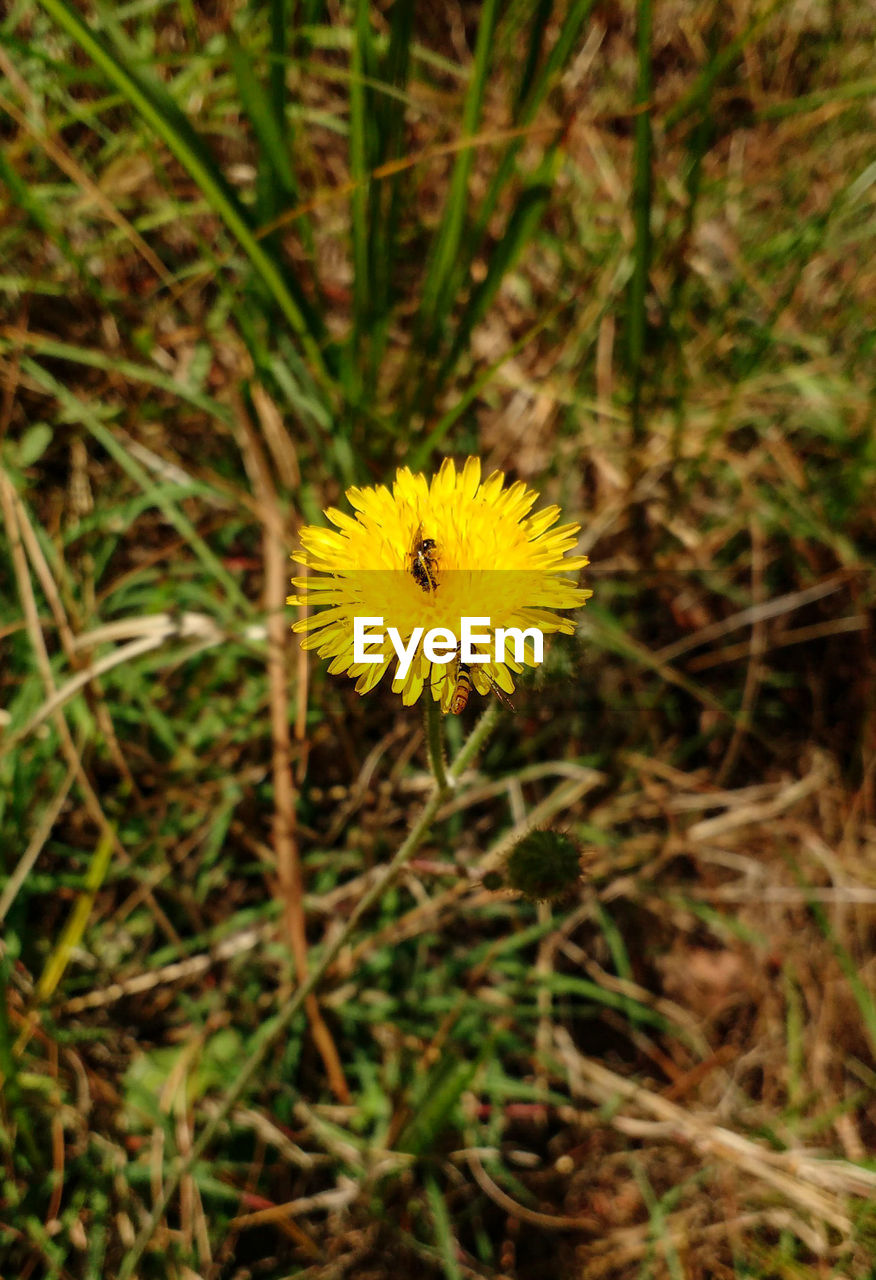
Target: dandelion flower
(485, 556)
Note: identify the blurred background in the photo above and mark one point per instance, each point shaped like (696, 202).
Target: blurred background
(250, 255)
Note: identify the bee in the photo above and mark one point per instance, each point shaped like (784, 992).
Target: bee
(422, 557)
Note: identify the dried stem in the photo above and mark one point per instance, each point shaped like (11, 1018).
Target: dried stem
(285, 842)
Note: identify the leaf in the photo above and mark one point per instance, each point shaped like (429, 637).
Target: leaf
(34, 443)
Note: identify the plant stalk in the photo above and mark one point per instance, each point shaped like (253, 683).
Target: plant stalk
(435, 741)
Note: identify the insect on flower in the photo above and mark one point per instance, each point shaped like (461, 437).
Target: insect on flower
(420, 558)
(463, 686)
(461, 690)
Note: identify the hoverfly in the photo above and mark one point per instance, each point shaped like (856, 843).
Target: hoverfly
(461, 690)
(422, 558)
(464, 685)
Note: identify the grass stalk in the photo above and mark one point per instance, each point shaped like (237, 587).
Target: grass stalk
(642, 192)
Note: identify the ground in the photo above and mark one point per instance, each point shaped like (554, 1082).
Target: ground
(252, 256)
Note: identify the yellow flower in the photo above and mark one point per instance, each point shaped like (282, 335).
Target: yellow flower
(484, 556)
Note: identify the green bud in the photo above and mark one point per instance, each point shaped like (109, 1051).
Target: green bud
(493, 880)
(544, 866)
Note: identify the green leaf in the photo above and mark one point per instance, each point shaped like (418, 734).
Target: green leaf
(34, 443)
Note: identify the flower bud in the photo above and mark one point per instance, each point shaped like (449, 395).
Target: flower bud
(544, 866)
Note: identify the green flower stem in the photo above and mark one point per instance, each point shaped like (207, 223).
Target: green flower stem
(435, 740)
(475, 740)
(405, 852)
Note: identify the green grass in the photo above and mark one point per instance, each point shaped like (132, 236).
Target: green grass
(627, 260)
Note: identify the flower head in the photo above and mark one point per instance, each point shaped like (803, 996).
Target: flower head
(545, 865)
(428, 554)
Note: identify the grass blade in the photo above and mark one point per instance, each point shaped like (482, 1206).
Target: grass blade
(419, 456)
(437, 1101)
(540, 20)
(526, 113)
(642, 191)
(437, 289)
(385, 197)
(703, 90)
(443, 1230)
(276, 169)
(530, 206)
(80, 411)
(130, 369)
(71, 935)
(521, 227)
(277, 74)
(362, 62)
(167, 121)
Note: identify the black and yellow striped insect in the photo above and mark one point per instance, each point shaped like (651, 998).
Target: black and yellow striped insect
(464, 685)
(461, 690)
